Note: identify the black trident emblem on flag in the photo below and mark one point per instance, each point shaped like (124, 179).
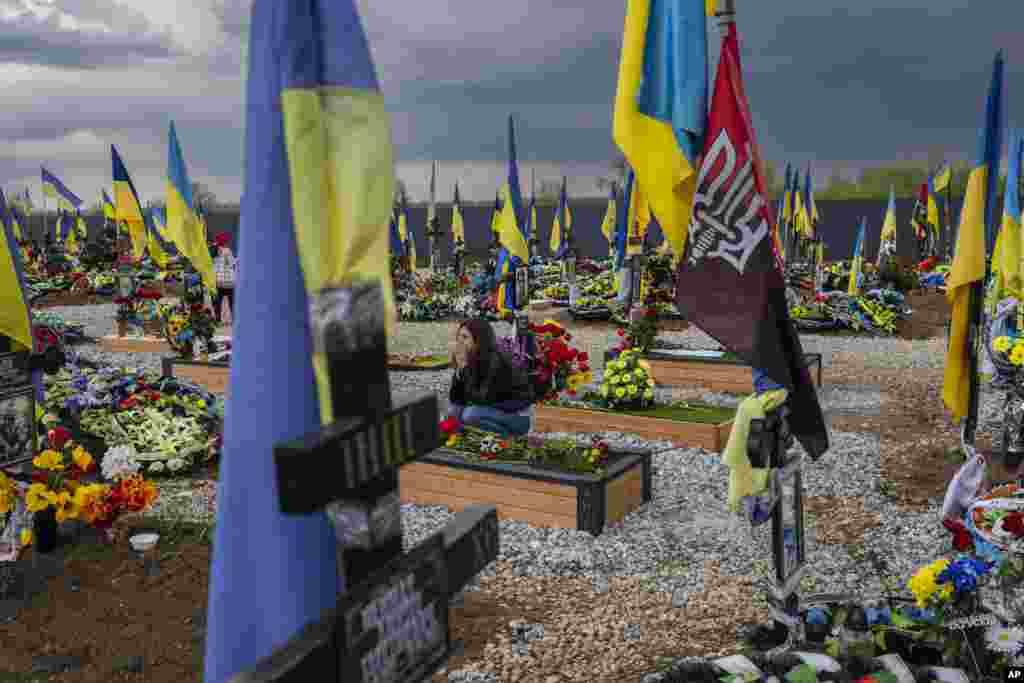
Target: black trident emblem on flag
(727, 219)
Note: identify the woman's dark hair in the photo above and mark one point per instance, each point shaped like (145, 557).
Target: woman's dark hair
(484, 340)
(485, 360)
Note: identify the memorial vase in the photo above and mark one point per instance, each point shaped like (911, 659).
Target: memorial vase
(44, 530)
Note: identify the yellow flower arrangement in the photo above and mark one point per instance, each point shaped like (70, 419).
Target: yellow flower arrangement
(627, 381)
(926, 589)
(1001, 344)
(26, 537)
(8, 494)
(49, 460)
(1017, 354)
(38, 497)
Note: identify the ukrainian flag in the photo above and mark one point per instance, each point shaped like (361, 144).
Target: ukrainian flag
(800, 218)
(933, 207)
(512, 234)
(661, 105)
(185, 226)
(853, 288)
(55, 189)
(496, 214)
(405, 230)
(534, 224)
(943, 177)
(458, 225)
(319, 181)
(639, 219)
(1006, 257)
(158, 214)
(127, 207)
(608, 224)
(787, 207)
(108, 207)
(812, 206)
(622, 233)
(562, 224)
(71, 232)
(15, 319)
(973, 235)
(156, 250)
(397, 246)
(889, 225)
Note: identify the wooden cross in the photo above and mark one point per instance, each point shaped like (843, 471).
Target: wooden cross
(391, 620)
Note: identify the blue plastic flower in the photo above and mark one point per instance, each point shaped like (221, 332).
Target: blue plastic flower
(926, 616)
(818, 616)
(879, 616)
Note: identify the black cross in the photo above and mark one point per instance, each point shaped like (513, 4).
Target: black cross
(391, 622)
(768, 446)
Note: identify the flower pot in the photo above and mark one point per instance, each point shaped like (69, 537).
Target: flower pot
(44, 530)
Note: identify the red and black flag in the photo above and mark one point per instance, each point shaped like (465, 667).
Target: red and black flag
(730, 283)
(919, 219)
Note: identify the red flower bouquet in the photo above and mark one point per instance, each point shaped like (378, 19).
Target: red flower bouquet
(558, 366)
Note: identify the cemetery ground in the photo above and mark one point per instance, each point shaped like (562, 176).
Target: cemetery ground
(101, 613)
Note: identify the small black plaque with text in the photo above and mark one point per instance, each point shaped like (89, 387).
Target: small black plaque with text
(393, 627)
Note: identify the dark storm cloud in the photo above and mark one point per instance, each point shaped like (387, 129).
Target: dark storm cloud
(30, 40)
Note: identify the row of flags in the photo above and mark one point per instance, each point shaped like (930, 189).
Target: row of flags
(160, 233)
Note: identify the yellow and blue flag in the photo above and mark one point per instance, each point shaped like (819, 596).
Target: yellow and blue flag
(127, 206)
(933, 207)
(943, 177)
(608, 224)
(622, 232)
(853, 288)
(158, 215)
(812, 206)
(185, 227)
(319, 181)
(458, 225)
(638, 216)
(153, 243)
(888, 233)
(512, 233)
(973, 236)
(55, 189)
(661, 105)
(787, 200)
(405, 230)
(561, 226)
(15, 318)
(108, 206)
(496, 214)
(1006, 257)
(396, 244)
(534, 223)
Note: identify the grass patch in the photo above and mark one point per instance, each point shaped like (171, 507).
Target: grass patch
(677, 412)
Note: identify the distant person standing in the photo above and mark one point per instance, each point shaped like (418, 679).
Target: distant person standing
(225, 266)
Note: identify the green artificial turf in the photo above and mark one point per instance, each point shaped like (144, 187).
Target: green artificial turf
(691, 412)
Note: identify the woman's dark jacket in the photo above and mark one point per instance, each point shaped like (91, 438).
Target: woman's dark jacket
(503, 386)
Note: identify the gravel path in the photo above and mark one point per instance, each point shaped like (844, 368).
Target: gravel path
(669, 543)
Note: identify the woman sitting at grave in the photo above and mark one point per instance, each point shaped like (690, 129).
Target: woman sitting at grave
(488, 391)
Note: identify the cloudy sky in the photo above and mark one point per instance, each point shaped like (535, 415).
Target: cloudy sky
(839, 84)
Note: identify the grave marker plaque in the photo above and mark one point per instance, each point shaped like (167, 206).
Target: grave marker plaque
(14, 371)
(394, 626)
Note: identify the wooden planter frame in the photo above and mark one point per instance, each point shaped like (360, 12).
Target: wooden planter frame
(540, 496)
(211, 375)
(716, 374)
(709, 436)
(114, 344)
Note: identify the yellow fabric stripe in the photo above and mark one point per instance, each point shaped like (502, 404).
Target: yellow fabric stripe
(555, 240)
(650, 145)
(968, 268)
(341, 163)
(14, 321)
(458, 227)
(126, 208)
(744, 479)
(509, 234)
(852, 289)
